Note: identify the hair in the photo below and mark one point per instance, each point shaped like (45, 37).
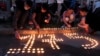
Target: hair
(84, 9)
(29, 3)
(70, 8)
(44, 6)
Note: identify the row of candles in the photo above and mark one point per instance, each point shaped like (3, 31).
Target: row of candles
(28, 46)
(25, 37)
(51, 39)
(19, 50)
(93, 43)
(58, 28)
(48, 40)
(53, 42)
(30, 42)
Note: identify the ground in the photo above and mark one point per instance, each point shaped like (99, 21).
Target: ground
(63, 45)
(67, 46)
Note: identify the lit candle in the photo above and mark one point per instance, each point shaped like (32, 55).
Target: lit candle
(42, 51)
(11, 49)
(13, 52)
(85, 48)
(14, 49)
(38, 51)
(19, 49)
(23, 51)
(33, 51)
(8, 52)
(28, 51)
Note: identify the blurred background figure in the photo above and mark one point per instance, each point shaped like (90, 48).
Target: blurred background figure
(96, 5)
(52, 6)
(59, 3)
(96, 16)
(90, 6)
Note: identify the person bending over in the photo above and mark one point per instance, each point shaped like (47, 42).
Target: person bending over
(41, 18)
(84, 15)
(21, 14)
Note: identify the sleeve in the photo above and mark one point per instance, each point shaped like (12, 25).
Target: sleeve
(83, 20)
(33, 19)
(64, 17)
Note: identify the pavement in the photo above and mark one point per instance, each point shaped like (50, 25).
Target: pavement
(67, 48)
(4, 15)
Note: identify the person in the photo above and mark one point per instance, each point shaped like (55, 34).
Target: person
(41, 17)
(69, 17)
(96, 5)
(52, 4)
(84, 15)
(59, 7)
(91, 6)
(18, 11)
(21, 14)
(95, 22)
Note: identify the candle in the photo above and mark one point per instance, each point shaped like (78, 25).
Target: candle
(13, 52)
(19, 49)
(23, 51)
(11, 49)
(38, 52)
(42, 51)
(14, 49)
(33, 51)
(8, 52)
(28, 51)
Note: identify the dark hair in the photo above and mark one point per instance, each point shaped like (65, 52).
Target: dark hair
(29, 3)
(44, 6)
(70, 8)
(84, 9)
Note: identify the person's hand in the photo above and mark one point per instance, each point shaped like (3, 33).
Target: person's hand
(17, 35)
(37, 27)
(46, 21)
(69, 26)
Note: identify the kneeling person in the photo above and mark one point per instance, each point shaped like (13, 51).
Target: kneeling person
(41, 17)
(82, 23)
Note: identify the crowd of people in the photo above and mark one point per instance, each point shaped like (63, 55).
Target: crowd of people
(40, 14)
